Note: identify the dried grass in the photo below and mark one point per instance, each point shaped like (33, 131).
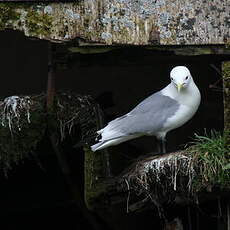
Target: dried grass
(24, 122)
(184, 173)
(22, 127)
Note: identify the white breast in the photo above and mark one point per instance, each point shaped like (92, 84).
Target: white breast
(183, 115)
(189, 100)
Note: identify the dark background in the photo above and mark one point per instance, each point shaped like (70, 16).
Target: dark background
(36, 195)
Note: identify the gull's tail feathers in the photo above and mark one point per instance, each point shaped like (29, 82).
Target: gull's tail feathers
(112, 134)
(110, 142)
(102, 145)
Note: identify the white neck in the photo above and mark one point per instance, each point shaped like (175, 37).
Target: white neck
(186, 96)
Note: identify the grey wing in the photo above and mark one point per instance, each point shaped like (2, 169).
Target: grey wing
(147, 117)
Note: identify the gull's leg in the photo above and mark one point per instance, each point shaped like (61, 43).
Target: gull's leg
(163, 143)
(159, 142)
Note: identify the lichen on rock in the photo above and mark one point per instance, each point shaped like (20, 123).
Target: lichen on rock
(38, 23)
(122, 21)
(8, 14)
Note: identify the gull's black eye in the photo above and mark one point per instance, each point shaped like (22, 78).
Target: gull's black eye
(171, 78)
(186, 78)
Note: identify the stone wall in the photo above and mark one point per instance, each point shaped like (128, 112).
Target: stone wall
(140, 22)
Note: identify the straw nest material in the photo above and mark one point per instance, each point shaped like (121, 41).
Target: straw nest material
(22, 126)
(200, 168)
(24, 121)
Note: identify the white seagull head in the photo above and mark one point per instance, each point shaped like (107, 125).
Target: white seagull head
(180, 77)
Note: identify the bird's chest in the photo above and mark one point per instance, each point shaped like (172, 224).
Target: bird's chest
(189, 103)
(183, 114)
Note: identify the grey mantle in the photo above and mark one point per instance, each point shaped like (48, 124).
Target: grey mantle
(118, 22)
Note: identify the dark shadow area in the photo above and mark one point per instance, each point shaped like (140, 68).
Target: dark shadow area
(35, 197)
(35, 194)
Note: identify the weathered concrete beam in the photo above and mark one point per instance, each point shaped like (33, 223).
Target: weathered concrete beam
(140, 22)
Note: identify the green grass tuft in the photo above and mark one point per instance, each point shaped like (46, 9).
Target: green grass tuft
(212, 159)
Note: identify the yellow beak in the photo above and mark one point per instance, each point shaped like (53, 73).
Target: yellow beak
(179, 87)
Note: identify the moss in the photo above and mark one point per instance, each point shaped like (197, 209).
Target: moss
(38, 23)
(226, 78)
(226, 70)
(92, 50)
(211, 155)
(227, 43)
(94, 186)
(7, 13)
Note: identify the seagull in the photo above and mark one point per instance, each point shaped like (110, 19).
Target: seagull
(158, 114)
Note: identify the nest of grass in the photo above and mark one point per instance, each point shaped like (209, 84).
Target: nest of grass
(22, 127)
(73, 110)
(161, 177)
(24, 123)
(182, 174)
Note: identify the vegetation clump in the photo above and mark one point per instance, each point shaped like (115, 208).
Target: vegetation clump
(197, 169)
(24, 121)
(72, 110)
(226, 92)
(211, 154)
(22, 126)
